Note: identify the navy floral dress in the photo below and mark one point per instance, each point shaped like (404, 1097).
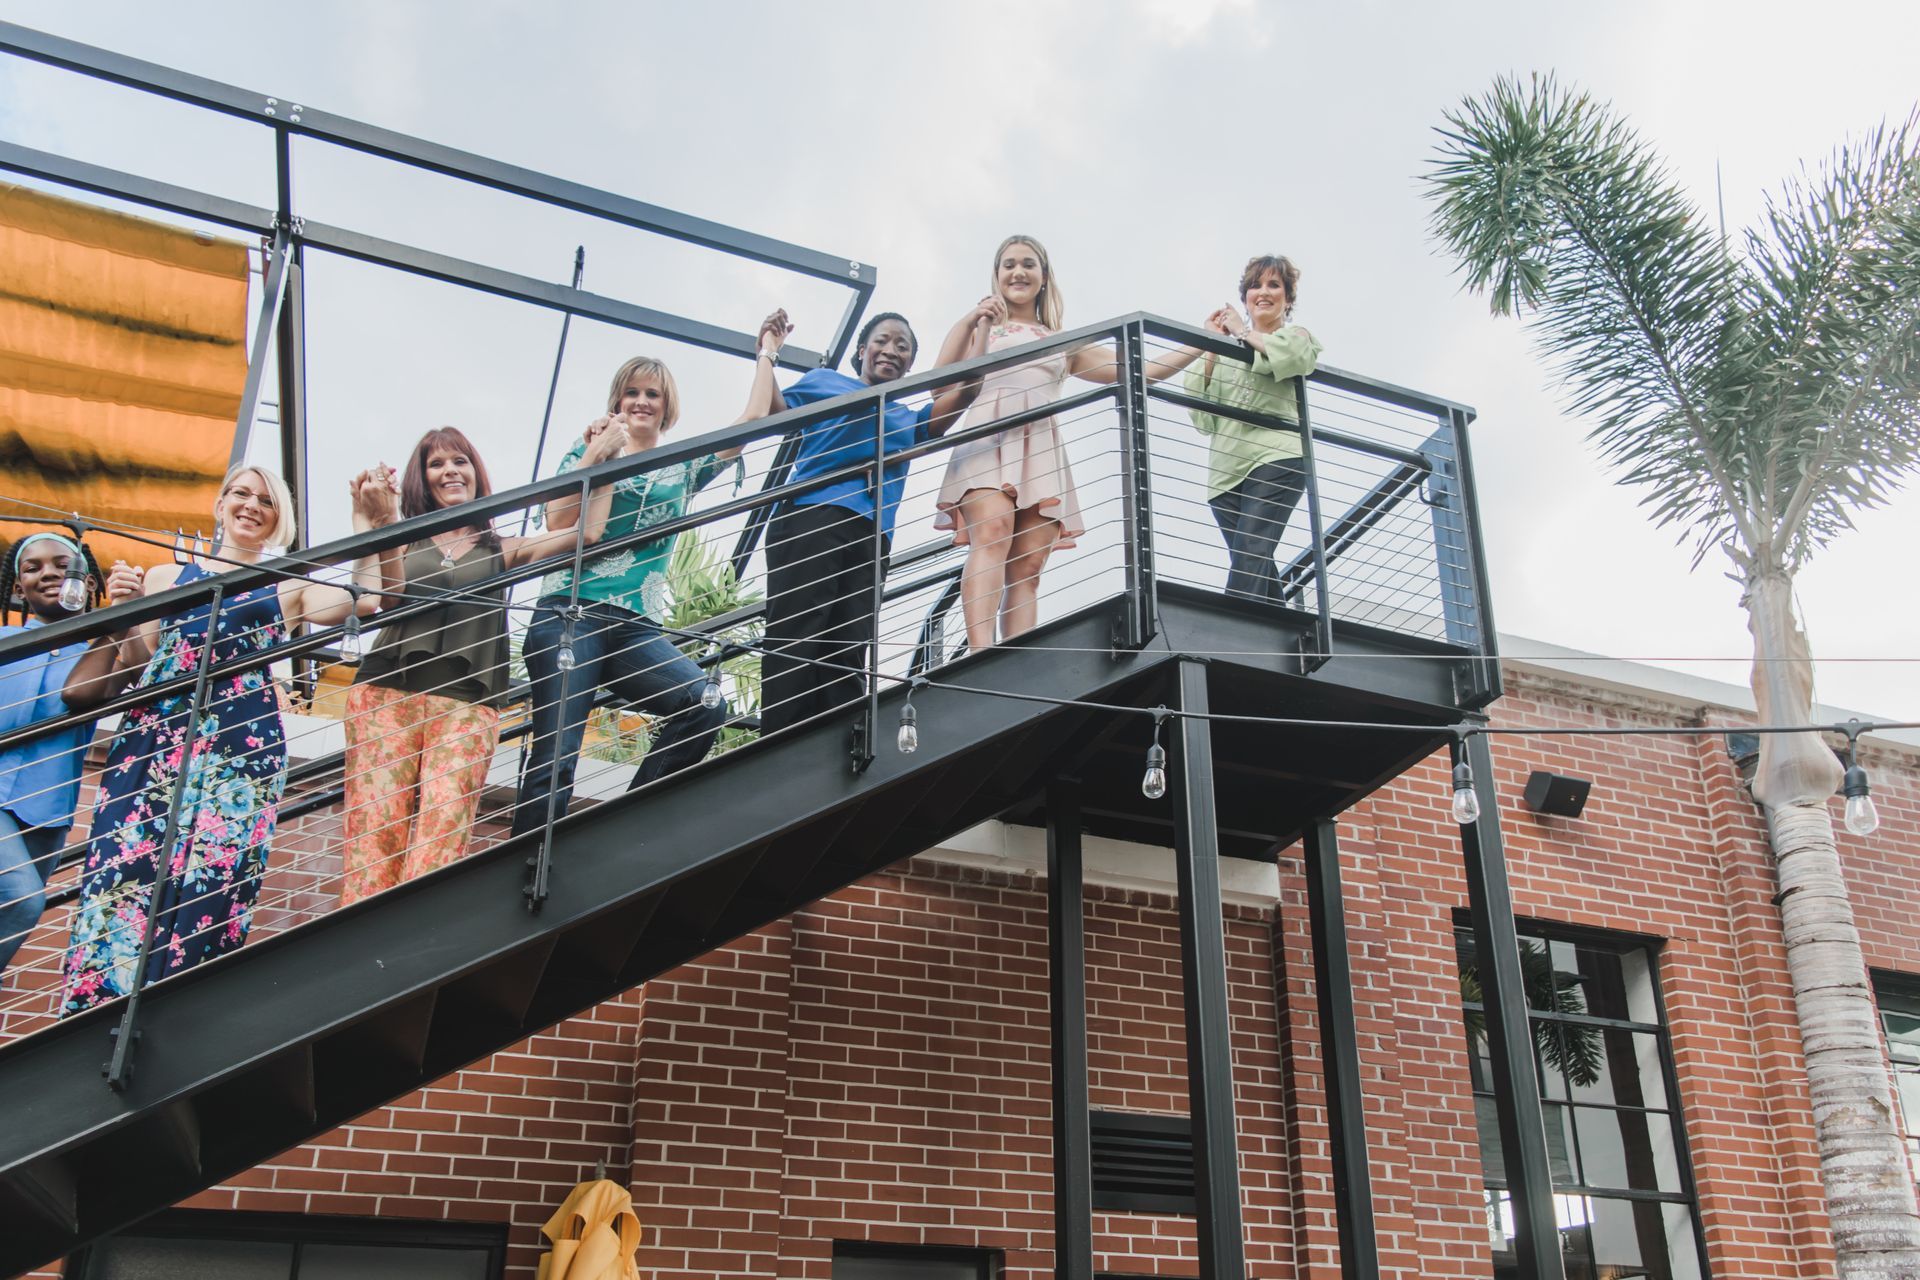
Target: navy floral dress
(234, 782)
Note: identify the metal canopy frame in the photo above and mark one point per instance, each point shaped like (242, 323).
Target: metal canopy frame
(289, 235)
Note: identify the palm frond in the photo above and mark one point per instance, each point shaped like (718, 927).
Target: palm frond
(1553, 205)
(1760, 400)
(1833, 288)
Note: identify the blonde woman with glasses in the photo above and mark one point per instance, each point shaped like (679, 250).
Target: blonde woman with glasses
(236, 768)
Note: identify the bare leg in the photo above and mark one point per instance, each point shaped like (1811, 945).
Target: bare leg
(1033, 539)
(989, 517)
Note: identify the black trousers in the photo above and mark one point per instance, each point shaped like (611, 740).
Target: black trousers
(1252, 515)
(820, 569)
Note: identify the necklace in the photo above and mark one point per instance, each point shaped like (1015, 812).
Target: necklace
(448, 555)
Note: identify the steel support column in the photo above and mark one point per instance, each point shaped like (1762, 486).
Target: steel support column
(1203, 973)
(1516, 1087)
(1340, 1055)
(1067, 978)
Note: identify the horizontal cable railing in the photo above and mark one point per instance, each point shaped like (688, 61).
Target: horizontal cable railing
(695, 681)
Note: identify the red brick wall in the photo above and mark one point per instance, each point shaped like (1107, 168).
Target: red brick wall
(876, 1067)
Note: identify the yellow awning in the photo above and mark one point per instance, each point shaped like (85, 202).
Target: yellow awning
(122, 359)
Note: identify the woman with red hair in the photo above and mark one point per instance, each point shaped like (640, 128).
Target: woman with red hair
(423, 715)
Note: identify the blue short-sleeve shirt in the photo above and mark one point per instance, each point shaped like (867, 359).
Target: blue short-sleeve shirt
(847, 440)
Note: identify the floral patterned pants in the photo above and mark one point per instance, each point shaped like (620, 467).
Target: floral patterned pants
(416, 764)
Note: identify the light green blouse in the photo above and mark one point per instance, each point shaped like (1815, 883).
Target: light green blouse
(1265, 386)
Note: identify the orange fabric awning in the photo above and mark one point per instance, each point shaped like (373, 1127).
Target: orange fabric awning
(122, 359)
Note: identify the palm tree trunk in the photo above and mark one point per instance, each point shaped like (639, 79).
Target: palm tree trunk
(1863, 1157)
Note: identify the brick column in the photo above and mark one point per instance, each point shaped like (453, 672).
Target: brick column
(709, 1111)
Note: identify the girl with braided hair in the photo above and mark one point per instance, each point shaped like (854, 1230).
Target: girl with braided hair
(39, 778)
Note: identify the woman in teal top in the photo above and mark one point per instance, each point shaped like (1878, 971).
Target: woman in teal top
(614, 639)
(1255, 474)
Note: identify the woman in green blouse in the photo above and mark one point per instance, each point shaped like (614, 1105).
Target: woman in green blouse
(614, 640)
(1255, 474)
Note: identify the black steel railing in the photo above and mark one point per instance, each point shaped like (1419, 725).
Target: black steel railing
(1131, 455)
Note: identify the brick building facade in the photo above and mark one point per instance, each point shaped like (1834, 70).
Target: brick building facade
(875, 1069)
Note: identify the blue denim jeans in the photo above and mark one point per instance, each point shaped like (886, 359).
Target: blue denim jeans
(26, 860)
(616, 649)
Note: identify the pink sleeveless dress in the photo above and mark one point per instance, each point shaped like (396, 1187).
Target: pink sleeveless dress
(1027, 463)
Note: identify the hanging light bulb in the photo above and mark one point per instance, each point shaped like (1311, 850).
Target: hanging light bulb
(1153, 783)
(351, 650)
(1466, 801)
(1863, 819)
(908, 740)
(711, 697)
(73, 587)
(563, 652)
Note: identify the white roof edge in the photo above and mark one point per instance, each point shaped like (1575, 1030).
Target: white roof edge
(1642, 678)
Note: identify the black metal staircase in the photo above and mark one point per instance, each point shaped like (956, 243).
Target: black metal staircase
(247, 1056)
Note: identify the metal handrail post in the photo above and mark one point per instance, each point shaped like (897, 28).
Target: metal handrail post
(1323, 610)
(540, 862)
(866, 730)
(119, 1068)
(1134, 627)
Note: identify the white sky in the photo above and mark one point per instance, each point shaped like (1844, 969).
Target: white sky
(1153, 144)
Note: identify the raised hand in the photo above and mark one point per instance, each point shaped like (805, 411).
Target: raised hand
(774, 331)
(991, 309)
(606, 438)
(1217, 322)
(375, 494)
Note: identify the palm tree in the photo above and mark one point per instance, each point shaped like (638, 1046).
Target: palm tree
(1761, 397)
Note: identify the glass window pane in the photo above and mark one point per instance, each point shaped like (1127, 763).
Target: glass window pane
(1903, 1031)
(383, 1262)
(1628, 1149)
(1643, 1238)
(1621, 1067)
(1493, 1159)
(1537, 964)
(1550, 1049)
(1573, 1218)
(1559, 1126)
(1479, 1055)
(1617, 984)
(1908, 1083)
(155, 1258)
(1683, 1248)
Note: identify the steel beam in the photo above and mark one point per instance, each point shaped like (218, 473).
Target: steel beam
(1340, 1055)
(1203, 974)
(273, 296)
(126, 186)
(1516, 1086)
(289, 116)
(1067, 975)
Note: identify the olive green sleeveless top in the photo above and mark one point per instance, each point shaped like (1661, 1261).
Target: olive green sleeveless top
(457, 650)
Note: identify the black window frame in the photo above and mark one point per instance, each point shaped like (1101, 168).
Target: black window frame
(1897, 992)
(302, 1229)
(988, 1263)
(1619, 942)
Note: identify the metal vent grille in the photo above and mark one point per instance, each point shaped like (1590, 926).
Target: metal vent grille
(1141, 1163)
